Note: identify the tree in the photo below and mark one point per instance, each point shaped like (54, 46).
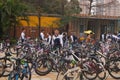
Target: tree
(61, 7)
(70, 10)
(10, 11)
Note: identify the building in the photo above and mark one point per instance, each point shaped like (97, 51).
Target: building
(108, 7)
(98, 24)
(101, 7)
(104, 17)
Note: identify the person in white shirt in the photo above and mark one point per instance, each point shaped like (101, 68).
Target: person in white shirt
(73, 38)
(49, 38)
(103, 37)
(115, 37)
(57, 39)
(23, 35)
(42, 35)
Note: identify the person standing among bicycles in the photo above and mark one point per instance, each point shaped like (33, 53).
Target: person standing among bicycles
(42, 35)
(49, 38)
(65, 39)
(73, 38)
(90, 38)
(22, 37)
(57, 41)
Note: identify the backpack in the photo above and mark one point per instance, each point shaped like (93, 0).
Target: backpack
(57, 41)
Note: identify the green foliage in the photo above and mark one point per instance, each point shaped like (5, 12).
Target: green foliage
(65, 20)
(13, 41)
(61, 7)
(10, 11)
(72, 8)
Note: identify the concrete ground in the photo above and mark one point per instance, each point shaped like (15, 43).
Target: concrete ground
(50, 76)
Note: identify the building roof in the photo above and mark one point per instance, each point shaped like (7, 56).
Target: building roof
(98, 16)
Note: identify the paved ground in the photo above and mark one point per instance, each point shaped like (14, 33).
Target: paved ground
(50, 76)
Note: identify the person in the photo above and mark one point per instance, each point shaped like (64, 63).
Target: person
(89, 38)
(65, 39)
(42, 35)
(73, 38)
(57, 41)
(108, 35)
(118, 34)
(49, 38)
(22, 37)
(115, 37)
(103, 36)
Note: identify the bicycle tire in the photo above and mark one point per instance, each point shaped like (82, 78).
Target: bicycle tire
(102, 75)
(13, 50)
(7, 69)
(6, 62)
(114, 68)
(91, 73)
(1, 69)
(44, 63)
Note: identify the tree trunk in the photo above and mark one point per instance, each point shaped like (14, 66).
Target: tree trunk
(14, 33)
(90, 7)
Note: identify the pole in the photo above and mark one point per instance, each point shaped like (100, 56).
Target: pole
(39, 24)
(118, 25)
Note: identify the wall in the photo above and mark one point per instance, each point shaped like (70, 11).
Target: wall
(32, 25)
(98, 26)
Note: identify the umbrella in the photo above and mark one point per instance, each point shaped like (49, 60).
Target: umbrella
(88, 32)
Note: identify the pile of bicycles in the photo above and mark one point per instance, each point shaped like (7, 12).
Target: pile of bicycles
(78, 61)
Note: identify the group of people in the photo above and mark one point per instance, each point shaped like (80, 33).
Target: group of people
(57, 39)
(110, 36)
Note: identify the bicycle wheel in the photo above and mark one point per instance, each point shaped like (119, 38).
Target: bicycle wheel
(13, 49)
(1, 68)
(8, 67)
(101, 73)
(44, 66)
(114, 68)
(90, 69)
